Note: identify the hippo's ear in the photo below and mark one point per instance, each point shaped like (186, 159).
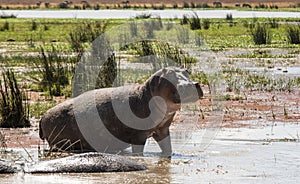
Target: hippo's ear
(154, 83)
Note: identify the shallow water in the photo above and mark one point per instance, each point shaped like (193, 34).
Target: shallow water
(268, 153)
(293, 71)
(108, 14)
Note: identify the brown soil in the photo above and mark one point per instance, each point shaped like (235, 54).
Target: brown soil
(252, 109)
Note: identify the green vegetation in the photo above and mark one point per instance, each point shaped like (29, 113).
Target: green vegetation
(55, 73)
(14, 107)
(47, 51)
(195, 22)
(293, 34)
(219, 34)
(162, 54)
(261, 34)
(38, 108)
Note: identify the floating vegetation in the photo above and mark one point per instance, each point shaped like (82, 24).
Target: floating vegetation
(238, 80)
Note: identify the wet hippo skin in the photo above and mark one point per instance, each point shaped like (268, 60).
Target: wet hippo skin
(80, 163)
(112, 119)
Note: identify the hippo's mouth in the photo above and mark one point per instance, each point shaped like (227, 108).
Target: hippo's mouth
(188, 93)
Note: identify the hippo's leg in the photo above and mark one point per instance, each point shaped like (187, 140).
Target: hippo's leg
(139, 144)
(138, 149)
(163, 139)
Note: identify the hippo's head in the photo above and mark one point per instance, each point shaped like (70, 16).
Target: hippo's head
(175, 86)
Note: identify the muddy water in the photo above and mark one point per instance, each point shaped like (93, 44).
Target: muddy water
(268, 153)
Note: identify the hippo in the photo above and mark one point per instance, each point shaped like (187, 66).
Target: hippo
(113, 119)
(91, 162)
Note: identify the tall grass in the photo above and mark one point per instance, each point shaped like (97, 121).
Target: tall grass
(293, 34)
(97, 70)
(102, 61)
(260, 34)
(14, 107)
(85, 33)
(195, 22)
(162, 54)
(104, 57)
(133, 29)
(184, 20)
(273, 23)
(229, 17)
(5, 26)
(206, 23)
(34, 25)
(183, 35)
(56, 68)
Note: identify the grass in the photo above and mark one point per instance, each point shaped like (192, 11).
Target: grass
(260, 34)
(263, 55)
(51, 42)
(164, 54)
(57, 29)
(220, 34)
(56, 70)
(14, 107)
(293, 34)
(38, 108)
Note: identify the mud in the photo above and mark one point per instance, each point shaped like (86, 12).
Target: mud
(266, 154)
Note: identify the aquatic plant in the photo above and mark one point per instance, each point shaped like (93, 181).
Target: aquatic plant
(14, 107)
(229, 17)
(195, 22)
(56, 69)
(34, 25)
(5, 26)
(184, 20)
(293, 34)
(85, 33)
(260, 34)
(162, 54)
(101, 63)
(273, 23)
(183, 35)
(133, 29)
(206, 23)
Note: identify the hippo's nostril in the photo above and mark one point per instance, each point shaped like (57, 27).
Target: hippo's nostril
(199, 90)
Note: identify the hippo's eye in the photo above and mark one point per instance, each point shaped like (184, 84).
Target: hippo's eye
(188, 71)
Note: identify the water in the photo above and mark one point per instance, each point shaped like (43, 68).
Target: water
(292, 71)
(268, 153)
(121, 14)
